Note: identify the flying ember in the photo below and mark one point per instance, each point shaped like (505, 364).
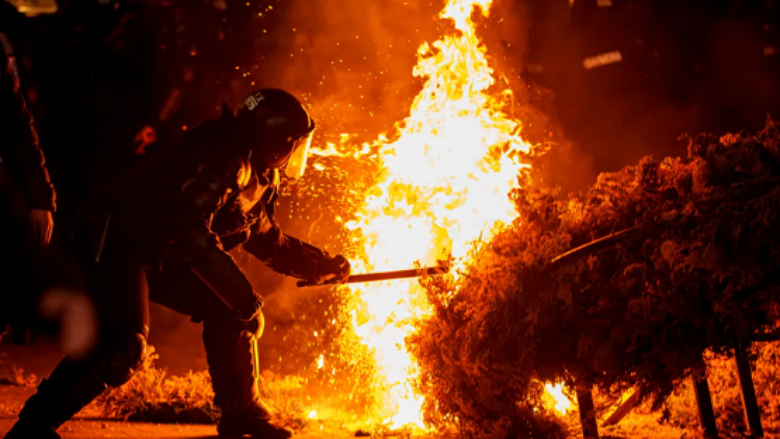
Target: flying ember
(445, 183)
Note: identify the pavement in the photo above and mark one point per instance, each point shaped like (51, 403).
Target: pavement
(176, 340)
(12, 398)
(180, 351)
(39, 359)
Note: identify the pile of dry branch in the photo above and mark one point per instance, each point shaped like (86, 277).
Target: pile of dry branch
(698, 272)
(153, 396)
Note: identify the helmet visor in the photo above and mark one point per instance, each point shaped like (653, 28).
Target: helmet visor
(296, 166)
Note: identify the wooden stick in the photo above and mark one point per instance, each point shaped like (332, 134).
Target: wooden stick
(748, 392)
(587, 412)
(622, 411)
(383, 276)
(595, 245)
(744, 190)
(704, 403)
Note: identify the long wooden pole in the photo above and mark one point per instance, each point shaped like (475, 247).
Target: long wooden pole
(748, 392)
(704, 402)
(383, 276)
(590, 429)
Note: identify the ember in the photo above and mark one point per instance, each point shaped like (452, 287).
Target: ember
(445, 180)
(452, 286)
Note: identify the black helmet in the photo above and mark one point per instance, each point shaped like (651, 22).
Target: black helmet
(278, 128)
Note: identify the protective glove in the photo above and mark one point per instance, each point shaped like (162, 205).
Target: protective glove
(333, 270)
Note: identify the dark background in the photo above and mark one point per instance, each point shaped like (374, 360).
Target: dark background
(99, 73)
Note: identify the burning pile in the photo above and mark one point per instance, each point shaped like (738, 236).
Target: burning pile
(444, 183)
(479, 349)
(701, 274)
(418, 195)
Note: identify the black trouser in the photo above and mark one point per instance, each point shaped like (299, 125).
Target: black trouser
(231, 349)
(229, 342)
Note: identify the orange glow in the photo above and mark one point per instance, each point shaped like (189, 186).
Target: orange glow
(445, 183)
(558, 400)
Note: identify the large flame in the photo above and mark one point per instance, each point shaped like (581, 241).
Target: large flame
(445, 183)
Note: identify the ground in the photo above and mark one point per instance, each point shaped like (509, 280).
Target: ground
(13, 397)
(39, 360)
(180, 350)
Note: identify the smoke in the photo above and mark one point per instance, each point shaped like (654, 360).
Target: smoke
(353, 59)
(509, 36)
(352, 62)
(684, 67)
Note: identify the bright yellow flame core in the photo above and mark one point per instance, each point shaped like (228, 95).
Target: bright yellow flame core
(445, 184)
(562, 403)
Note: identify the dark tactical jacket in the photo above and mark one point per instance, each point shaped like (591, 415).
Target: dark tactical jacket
(200, 199)
(21, 156)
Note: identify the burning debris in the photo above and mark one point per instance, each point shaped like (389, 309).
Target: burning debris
(444, 179)
(153, 396)
(702, 275)
(497, 343)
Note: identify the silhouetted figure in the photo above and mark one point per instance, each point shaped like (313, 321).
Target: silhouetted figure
(27, 197)
(162, 231)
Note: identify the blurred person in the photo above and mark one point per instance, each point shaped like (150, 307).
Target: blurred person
(27, 197)
(20, 154)
(38, 288)
(161, 231)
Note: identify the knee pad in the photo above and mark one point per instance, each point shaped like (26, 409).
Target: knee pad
(124, 360)
(256, 326)
(218, 326)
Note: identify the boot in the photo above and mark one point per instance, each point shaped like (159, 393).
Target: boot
(26, 430)
(251, 420)
(231, 355)
(70, 388)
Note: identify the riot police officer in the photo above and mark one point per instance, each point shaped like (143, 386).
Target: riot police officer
(162, 231)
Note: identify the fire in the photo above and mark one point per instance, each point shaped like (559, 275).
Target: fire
(445, 184)
(561, 402)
